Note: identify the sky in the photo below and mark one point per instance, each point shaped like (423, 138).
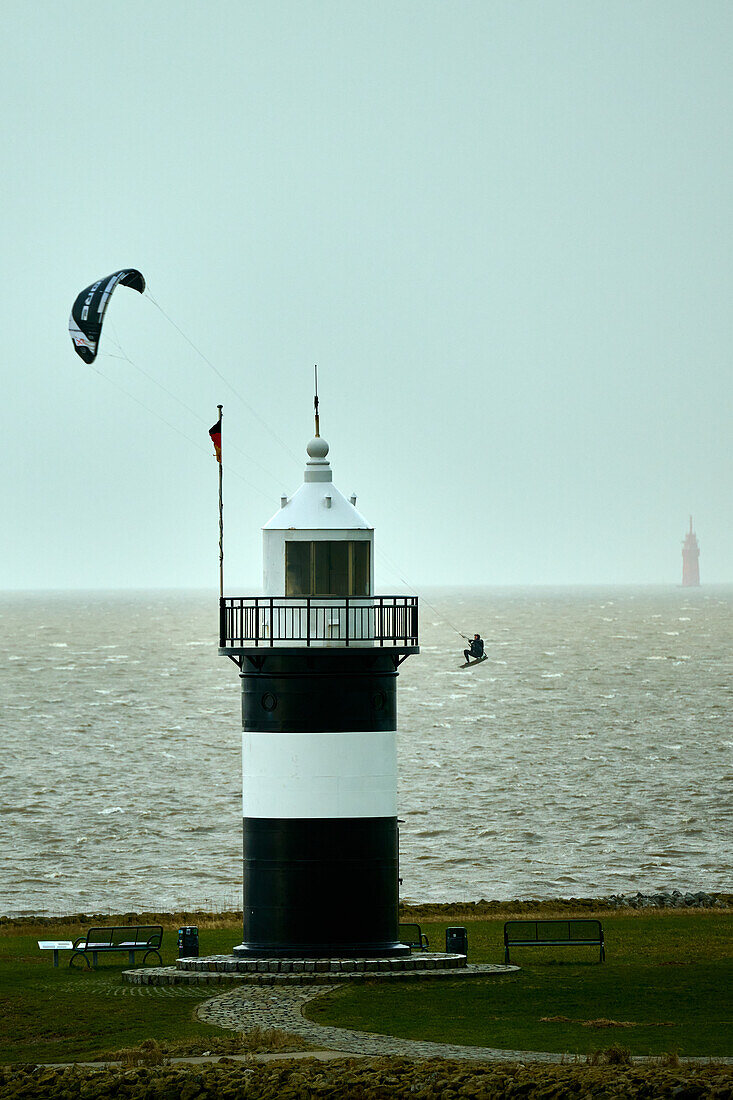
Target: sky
(501, 229)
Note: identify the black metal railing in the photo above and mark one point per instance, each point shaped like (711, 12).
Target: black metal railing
(246, 621)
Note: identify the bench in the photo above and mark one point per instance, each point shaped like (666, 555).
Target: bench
(411, 935)
(553, 933)
(131, 938)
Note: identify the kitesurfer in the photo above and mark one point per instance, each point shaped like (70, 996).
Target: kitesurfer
(476, 649)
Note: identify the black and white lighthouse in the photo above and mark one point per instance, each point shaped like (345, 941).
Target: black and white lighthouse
(318, 655)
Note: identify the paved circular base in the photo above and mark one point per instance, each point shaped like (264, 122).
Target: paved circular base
(225, 969)
(326, 963)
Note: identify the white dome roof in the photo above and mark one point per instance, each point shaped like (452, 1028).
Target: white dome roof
(317, 505)
(308, 510)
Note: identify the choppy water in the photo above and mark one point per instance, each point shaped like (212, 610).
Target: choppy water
(592, 753)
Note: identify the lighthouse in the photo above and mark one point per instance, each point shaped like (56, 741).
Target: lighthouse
(318, 655)
(690, 560)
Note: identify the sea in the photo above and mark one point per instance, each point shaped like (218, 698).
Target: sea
(591, 754)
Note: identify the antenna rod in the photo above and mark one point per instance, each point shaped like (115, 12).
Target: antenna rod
(221, 516)
(315, 401)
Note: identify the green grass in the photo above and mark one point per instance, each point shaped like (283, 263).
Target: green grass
(63, 1015)
(669, 975)
(665, 968)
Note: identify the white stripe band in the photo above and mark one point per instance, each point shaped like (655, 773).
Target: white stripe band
(319, 775)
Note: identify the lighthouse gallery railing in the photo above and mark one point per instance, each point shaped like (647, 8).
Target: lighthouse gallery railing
(246, 621)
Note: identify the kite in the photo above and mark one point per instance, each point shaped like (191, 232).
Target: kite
(87, 312)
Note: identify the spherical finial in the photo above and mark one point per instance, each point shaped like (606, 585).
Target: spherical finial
(317, 448)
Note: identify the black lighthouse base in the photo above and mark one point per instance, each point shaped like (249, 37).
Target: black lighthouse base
(321, 887)
(322, 951)
(321, 845)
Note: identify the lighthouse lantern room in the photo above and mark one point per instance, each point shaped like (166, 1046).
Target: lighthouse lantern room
(318, 655)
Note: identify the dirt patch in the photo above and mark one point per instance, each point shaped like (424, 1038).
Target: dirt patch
(602, 1022)
(258, 1040)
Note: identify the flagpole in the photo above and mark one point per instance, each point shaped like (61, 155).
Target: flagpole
(221, 521)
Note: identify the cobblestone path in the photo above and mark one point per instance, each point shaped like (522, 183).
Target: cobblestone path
(250, 1006)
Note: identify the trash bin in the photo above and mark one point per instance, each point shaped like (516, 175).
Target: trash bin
(188, 943)
(456, 941)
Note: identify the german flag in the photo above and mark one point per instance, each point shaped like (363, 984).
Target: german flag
(215, 434)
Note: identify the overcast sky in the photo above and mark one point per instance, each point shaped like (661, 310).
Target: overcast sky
(502, 229)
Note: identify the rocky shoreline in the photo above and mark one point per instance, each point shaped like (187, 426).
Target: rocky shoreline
(674, 900)
(447, 910)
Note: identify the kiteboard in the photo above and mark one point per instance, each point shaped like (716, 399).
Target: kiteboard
(478, 661)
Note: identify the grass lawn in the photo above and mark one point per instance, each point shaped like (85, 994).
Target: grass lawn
(669, 974)
(666, 986)
(62, 1015)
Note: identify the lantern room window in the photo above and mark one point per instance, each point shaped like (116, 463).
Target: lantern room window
(327, 568)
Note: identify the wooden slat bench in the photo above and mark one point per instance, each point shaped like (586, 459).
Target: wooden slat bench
(553, 933)
(131, 938)
(412, 935)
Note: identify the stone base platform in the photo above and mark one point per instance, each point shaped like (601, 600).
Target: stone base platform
(225, 969)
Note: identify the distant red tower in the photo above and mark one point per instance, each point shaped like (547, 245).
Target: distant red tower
(690, 560)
